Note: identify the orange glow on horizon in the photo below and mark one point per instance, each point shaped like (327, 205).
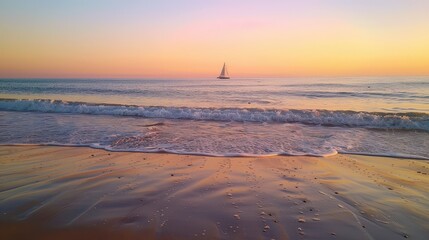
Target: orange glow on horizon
(256, 43)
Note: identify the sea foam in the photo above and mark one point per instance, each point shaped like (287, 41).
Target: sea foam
(405, 121)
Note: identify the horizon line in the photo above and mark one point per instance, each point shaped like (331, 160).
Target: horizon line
(213, 77)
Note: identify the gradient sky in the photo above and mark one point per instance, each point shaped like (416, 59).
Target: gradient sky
(168, 39)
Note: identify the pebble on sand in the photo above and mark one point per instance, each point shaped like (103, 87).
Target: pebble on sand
(237, 216)
(301, 220)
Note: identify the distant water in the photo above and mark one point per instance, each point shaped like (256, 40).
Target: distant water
(237, 117)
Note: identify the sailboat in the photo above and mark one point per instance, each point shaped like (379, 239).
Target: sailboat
(224, 74)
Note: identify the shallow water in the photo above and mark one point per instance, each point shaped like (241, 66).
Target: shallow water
(317, 116)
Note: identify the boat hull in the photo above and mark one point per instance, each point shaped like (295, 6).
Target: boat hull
(223, 77)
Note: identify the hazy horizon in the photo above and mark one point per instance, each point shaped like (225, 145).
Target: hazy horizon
(214, 76)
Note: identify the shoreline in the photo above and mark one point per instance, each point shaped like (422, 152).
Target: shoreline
(70, 191)
(233, 155)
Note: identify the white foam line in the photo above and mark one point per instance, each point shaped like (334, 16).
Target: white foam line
(405, 121)
(106, 148)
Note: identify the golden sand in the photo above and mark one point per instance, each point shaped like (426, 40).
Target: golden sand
(84, 193)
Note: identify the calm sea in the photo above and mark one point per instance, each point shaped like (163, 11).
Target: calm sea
(238, 117)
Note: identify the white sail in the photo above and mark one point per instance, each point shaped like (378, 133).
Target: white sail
(223, 70)
(224, 73)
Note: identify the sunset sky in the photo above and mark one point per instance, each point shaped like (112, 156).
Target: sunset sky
(169, 39)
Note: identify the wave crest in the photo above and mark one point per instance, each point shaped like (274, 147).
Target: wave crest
(406, 121)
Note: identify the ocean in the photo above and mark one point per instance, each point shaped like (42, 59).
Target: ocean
(383, 116)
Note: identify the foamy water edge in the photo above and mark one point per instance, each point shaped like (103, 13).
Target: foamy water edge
(109, 149)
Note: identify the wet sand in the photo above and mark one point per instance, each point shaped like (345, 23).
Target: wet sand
(84, 193)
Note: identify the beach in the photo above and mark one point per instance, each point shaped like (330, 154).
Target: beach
(255, 120)
(50, 192)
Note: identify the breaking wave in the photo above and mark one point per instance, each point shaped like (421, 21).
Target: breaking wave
(405, 121)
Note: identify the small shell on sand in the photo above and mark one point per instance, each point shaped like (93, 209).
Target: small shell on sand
(266, 228)
(237, 216)
(301, 220)
(300, 231)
